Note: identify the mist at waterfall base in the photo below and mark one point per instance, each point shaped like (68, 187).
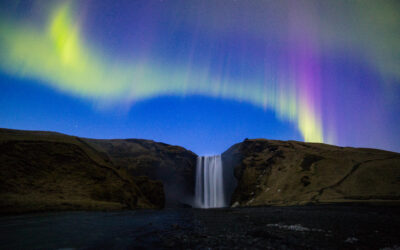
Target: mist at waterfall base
(209, 190)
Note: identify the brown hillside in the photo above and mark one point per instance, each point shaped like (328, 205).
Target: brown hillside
(41, 171)
(272, 172)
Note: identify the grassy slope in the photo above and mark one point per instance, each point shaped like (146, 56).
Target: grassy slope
(288, 172)
(41, 171)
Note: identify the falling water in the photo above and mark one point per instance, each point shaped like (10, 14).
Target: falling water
(209, 191)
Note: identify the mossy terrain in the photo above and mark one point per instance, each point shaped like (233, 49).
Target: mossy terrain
(45, 171)
(270, 172)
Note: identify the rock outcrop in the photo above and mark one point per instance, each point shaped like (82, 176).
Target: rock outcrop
(270, 172)
(43, 171)
(173, 165)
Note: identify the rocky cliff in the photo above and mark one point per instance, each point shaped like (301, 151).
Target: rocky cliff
(42, 171)
(173, 165)
(270, 172)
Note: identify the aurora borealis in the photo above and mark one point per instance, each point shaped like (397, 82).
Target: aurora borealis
(329, 68)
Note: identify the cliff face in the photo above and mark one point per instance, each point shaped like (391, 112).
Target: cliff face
(173, 165)
(272, 172)
(42, 171)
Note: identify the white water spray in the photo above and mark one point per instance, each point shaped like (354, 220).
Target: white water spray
(209, 191)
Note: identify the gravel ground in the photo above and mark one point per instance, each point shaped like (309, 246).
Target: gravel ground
(298, 227)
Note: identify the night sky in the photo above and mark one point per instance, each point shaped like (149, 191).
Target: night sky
(204, 74)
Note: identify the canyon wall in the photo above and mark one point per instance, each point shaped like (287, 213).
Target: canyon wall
(174, 166)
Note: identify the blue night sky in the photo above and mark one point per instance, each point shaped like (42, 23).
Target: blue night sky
(202, 124)
(203, 74)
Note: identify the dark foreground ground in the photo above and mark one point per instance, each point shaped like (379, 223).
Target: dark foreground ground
(309, 227)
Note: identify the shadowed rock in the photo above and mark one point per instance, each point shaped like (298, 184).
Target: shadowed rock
(173, 165)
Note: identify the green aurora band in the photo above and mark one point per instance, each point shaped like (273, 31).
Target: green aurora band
(57, 54)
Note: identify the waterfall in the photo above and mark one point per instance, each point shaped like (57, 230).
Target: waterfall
(209, 190)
